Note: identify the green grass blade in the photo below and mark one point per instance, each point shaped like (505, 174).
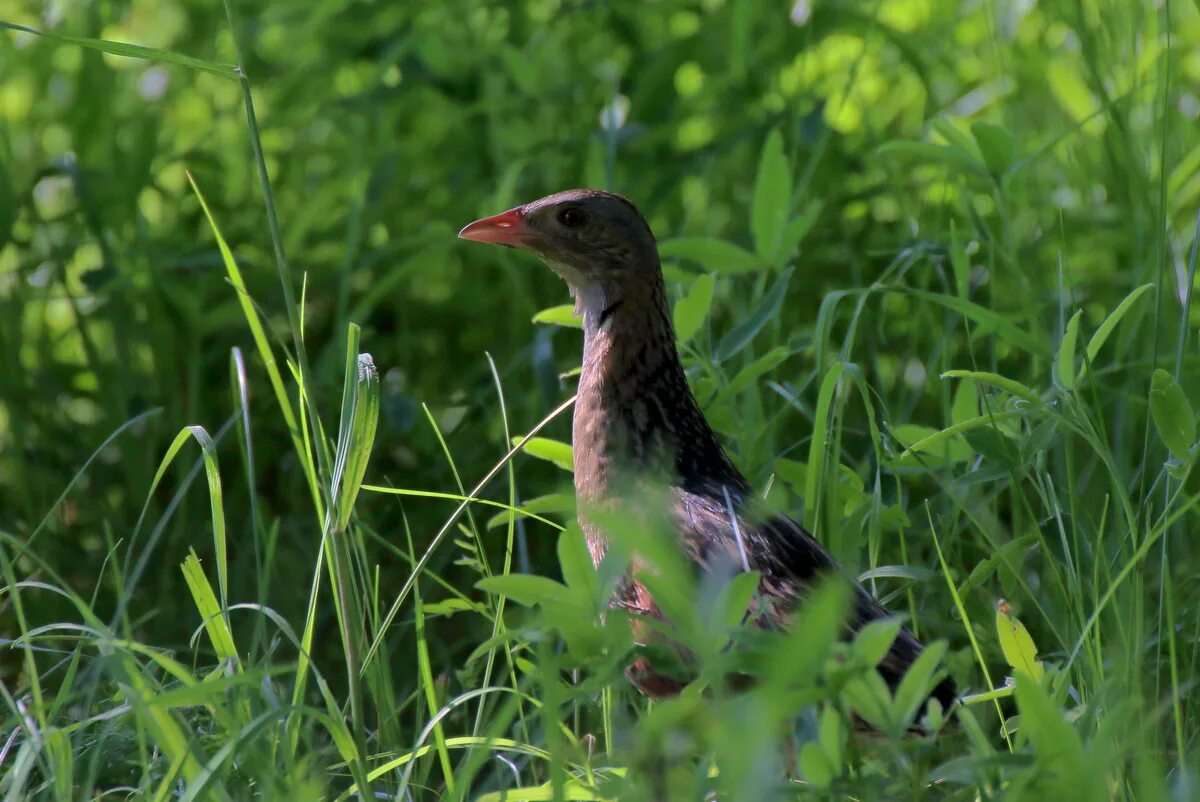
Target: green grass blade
(127, 50)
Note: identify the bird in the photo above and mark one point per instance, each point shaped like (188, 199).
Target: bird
(636, 416)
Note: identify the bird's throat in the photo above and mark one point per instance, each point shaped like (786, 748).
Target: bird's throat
(635, 416)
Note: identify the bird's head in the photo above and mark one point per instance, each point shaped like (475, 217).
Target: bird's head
(596, 241)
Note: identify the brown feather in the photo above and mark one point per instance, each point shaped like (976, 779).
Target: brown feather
(636, 421)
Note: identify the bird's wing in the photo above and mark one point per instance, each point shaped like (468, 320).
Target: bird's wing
(789, 560)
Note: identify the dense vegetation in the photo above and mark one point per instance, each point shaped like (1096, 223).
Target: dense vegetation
(931, 265)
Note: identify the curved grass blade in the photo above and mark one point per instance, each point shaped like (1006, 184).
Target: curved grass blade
(126, 50)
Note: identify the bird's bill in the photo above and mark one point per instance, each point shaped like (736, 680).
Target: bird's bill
(506, 228)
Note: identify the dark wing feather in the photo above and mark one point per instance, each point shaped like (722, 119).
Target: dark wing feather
(789, 559)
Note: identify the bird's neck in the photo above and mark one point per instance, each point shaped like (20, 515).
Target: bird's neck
(635, 415)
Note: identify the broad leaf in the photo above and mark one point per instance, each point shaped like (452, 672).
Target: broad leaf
(995, 145)
(772, 197)
(554, 451)
(563, 315)
(526, 589)
(1017, 644)
(692, 309)
(872, 642)
(923, 440)
(1110, 323)
(815, 765)
(575, 562)
(1173, 415)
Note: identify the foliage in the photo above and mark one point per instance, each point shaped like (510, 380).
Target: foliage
(931, 265)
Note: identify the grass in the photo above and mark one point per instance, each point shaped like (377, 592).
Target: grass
(950, 329)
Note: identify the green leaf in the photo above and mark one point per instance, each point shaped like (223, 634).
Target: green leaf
(448, 607)
(956, 137)
(1070, 89)
(987, 319)
(1011, 386)
(749, 374)
(869, 697)
(1017, 644)
(215, 624)
(575, 562)
(832, 734)
(1109, 324)
(58, 753)
(966, 402)
(815, 766)
(554, 451)
(797, 229)
(924, 440)
(263, 346)
(735, 597)
(715, 255)
(1066, 353)
(133, 51)
(872, 642)
(817, 455)
(563, 315)
(356, 428)
(1054, 740)
(772, 197)
(960, 263)
(1173, 416)
(526, 589)
(552, 502)
(741, 335)
(791, 471)
(918, 681)
(911, 573)
(570, 792)
(818, 623)
(217, 513)
(692, 309)
(995, 145)
(1011, 554)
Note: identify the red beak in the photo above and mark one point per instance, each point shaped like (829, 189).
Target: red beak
(506, 228)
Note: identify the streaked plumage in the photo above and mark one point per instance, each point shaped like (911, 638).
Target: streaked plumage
(636, 416)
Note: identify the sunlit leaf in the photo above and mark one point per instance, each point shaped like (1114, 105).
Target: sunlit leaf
(554, 451)
(526, 589)
(692, 309)
(563, 315)
(1017, 644)
(815, 766)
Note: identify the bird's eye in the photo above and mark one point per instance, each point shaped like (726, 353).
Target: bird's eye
(572, 217)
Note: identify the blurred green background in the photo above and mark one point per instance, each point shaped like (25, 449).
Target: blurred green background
(387, 125)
